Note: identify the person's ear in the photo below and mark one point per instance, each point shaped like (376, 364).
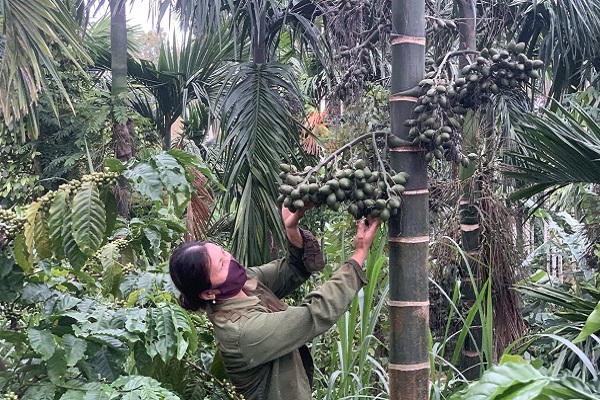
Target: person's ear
(208, 295)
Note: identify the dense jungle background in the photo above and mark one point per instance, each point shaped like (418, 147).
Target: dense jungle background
(118, 143)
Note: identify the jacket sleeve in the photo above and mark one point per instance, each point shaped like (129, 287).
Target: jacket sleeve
(284, 275)
(268, 336)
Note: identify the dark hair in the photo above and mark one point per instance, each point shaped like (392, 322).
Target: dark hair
(189, 270)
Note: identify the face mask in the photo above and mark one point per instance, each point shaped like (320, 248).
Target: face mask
(236, 278)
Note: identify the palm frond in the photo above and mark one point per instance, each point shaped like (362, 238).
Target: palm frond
(31, 29)
(199, 209)
(182, 74)
(259, 134)
(567, 33)
(556, 149)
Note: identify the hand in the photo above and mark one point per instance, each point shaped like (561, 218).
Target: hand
(290, 219)
(367, 228)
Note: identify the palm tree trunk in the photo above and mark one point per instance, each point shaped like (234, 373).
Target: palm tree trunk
(469, 215)
(409, 230)
(466, 28)
(259, 37)
(121, 136)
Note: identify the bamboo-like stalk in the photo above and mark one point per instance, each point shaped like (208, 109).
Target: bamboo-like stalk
(469, 216)
(121, 137)
(409, 230)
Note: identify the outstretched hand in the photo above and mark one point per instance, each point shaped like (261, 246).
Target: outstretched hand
(365, 234)
(290, 219)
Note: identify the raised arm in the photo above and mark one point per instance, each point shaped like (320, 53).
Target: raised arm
(267, 336)
(303, 257)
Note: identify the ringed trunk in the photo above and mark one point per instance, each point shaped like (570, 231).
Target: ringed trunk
(409, 230)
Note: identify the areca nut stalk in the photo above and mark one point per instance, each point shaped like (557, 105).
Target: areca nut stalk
(409, 230)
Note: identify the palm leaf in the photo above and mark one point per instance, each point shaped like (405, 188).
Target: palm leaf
(258, 134)
(182, 74)
(31, 29)
(199, 208)
(567, 33)
(556, 149)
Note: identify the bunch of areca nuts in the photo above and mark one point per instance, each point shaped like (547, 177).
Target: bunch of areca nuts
(439, 113)
(364, 191)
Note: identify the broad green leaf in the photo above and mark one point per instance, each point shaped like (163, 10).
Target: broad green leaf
(30, 215)
(72, 395)
(42, 342)
(113, 273)
(75, 256)
(171, 173)
(114, 165)
(110, 206)
(21, 254)
(592, 325)
(43, 391)
(145, 180)
(42, 236)
(166, 334)
(154, 238)
(184, 158)
(111, 279)
(96, 395)
(173, 177)
(502, 379)
(57, 366)
(59, 211)
(74, 348)
(135, 321)
(107, 362)
(143, 361)
(88, 219)
(522, 391)
(188, 340)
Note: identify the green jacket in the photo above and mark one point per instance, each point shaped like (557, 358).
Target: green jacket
(262, 341)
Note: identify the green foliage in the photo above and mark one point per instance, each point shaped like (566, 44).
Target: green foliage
(353, 367)
(566, 338)
(520, 380)
(259, 132)
(18, 181)
(76, 223)
(556, 149)
(367, 114)
(32, 30)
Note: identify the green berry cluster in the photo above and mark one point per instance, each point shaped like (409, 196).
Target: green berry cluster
(437, 122)
(10, 224)
(101, 179)
(10, 396)
(367, 192)
(494, 71)
(438, 116)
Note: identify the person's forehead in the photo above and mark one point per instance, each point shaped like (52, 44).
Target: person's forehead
(213, 249)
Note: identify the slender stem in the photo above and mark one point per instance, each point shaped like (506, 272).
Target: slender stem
(342, 149)
(381, 164)
(456, 53)
(89, 157)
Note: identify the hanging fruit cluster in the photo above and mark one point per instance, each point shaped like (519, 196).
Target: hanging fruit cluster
(100, 179)
(10, 225)
(437, 122)
(366, 191)
(495, 71)
(441, 105)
